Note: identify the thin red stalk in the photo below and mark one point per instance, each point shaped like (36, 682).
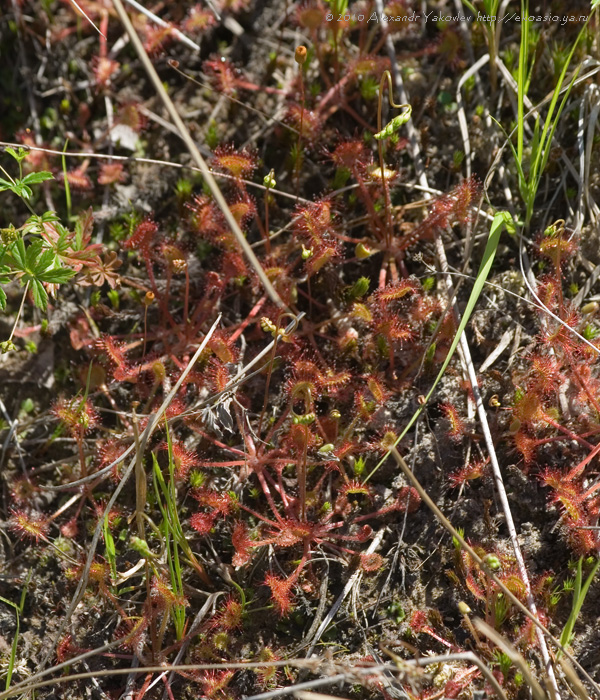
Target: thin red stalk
(186, 300)
(267, 491)
(256, 514)
(249, 318)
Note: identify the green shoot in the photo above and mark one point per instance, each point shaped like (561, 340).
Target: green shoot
(579, 594)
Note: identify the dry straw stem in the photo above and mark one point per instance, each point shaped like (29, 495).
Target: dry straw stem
(195, 153)
(496, 472)
(468, 364)
(513, 655)
(241, 377)
(356, 673)
(468, 656)
(168, 164)
(476, 558)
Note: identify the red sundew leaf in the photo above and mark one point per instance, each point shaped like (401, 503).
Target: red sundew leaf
(111, 173)
(371, 562)
(203, 522)
(28, 524)
(240, 163)
(241, 543)
(281, 593)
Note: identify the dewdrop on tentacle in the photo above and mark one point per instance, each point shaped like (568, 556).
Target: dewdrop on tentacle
(393, 126)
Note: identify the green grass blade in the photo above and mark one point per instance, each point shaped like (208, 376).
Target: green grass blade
(13, 649)
(522, 80)
(501, 220)
(579, 594)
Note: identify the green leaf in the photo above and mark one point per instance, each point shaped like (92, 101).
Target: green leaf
(40, 295)
(49, 217)
(57, 275)
(35, 178)
(22, 190)
(2, 299)
(18, 254)
(21, 155)
(33, 259)
(5, 185)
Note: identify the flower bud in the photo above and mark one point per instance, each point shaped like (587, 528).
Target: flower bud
(269, 180)
(300, 55)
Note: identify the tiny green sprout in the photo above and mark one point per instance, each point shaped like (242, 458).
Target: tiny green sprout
(221, 641)
(590, 332)
(455, 541)
(492, 562)
(518, 679)
(430, 354)
(95, 298)
(326, 508)
(359, 288)
(573, 288)
(183, 188)
(396, 612)
(341, 177)
(553, 413)
(359, 467)
(306, 252)
(254, 492)
(27, 405)
(469, 83)
(503, 661)
(368, 88)
(212, 135)
(428, 284)
(7, 346)
(113, 296)
(197, 478)
(394, 125)
(457, 158)
(269, 180)
(31, 347)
